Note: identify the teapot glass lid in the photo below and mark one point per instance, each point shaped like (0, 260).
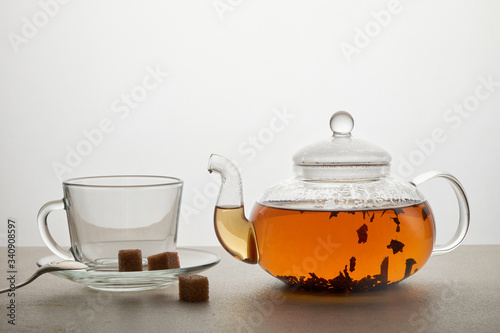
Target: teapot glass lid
(341, 148)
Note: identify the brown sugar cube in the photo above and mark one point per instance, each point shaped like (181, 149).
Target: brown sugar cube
(164, 260)
(129, 260)
(193, 288)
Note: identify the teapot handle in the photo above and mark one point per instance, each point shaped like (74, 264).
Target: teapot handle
(463, 205)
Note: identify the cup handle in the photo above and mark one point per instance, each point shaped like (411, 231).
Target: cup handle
(463, 206)
(44, 230)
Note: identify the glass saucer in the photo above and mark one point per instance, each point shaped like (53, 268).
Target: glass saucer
(192, 262)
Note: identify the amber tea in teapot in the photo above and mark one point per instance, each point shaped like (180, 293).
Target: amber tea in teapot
(343, 250)
(338, 250)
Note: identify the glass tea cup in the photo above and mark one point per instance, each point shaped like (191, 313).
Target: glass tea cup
(109, 213)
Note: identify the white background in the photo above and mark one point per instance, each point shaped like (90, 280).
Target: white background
(230, 70)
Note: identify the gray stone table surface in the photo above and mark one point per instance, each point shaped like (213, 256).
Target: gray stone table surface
(456, 292)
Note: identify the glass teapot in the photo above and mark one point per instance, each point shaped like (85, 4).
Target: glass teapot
(342, 223)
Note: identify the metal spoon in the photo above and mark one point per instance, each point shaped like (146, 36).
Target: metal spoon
(61, 265)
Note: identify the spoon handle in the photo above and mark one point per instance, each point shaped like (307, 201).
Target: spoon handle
(16, 287)
(39, 272)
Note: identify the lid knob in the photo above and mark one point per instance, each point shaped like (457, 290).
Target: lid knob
(341, 123)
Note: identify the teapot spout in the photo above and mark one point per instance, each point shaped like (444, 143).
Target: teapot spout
(235, 233)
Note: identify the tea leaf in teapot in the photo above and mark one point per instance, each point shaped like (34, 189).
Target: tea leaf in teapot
(409, 264)
(362, 234)
(318, 282)
(398, 211)
(396, 246)
(342, 283)
(383, 277)
(333, 214)
(352, 264)
(396, 220)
